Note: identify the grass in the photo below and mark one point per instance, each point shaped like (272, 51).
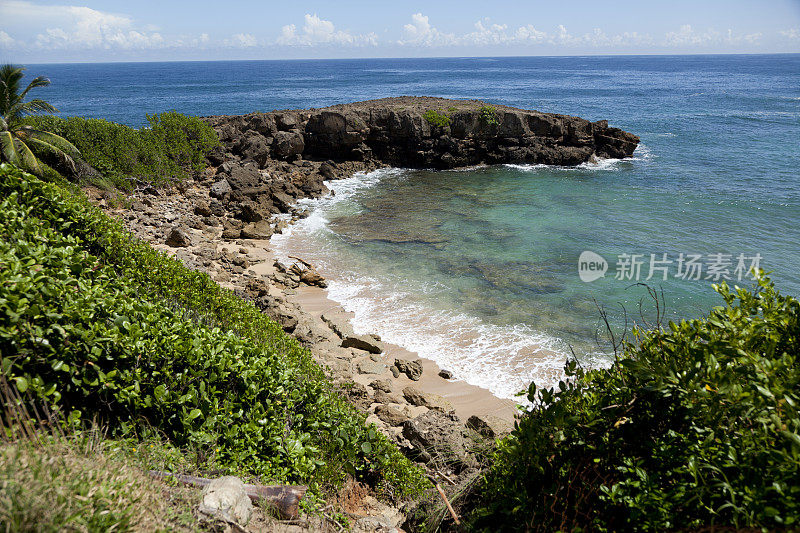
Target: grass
(85, 483)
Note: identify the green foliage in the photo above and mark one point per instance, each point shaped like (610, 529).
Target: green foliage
(174, 146)
(98, 323)
(696, 426)
(20, 143)
(437, 118)
(488, 116)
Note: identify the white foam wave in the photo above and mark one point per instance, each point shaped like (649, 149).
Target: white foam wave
(502, 359)
(642, 153)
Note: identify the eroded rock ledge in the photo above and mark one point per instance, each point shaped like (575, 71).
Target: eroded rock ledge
(270, 159)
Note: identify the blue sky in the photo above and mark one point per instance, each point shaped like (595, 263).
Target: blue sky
(146, 30)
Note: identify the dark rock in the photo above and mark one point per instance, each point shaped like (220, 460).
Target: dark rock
(412, 369)
(287, 144)
(244, 177)
(327, 171)
(446, 374)
(202, 209)
(178, 238)
(220, 189)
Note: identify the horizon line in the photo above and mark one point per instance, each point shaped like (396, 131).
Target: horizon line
(409, 58)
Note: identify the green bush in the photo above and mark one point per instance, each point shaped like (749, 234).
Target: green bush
(437, 118)
(100, 324)
(172, 147)
(488, 116)
(695, 427)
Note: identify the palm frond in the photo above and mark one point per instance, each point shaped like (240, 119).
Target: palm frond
(8, 147)
(58, 142)
(10, 76)
(53, 150)
(34, 107)
(38, 81)
(28, 160)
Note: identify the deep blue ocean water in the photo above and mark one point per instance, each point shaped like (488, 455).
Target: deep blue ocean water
(487, 283)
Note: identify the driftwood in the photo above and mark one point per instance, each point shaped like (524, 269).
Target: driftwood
(305, 263)
(284, 498)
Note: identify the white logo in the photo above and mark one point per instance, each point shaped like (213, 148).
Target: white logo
(591, 266)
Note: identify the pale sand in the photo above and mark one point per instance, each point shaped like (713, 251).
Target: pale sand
(467, 399)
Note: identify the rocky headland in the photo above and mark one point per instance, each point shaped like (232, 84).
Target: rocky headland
(221, 223)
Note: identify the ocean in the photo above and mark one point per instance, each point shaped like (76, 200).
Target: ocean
(500, 273)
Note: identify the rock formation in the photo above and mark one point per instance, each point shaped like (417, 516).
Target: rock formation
(268, 160)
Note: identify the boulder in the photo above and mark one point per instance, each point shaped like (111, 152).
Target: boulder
(226, 498)
(490, 426)
(338, 324)
(257, 230)
(244, 177)
(362, 342)
(311, 277)
(178, 238)
(287, 145)
(390, 415)
(371, 367)
(445, 374)
(220, 189)
(430, 400)
(327, 171)
(440, 437)
(202, 208)
(382, 384)
(412, 369)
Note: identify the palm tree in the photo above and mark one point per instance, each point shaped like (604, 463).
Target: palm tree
(18, 140)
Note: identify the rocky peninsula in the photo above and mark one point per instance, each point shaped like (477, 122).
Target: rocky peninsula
(221, 223)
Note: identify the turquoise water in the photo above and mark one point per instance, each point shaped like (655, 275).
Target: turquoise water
(478, 269)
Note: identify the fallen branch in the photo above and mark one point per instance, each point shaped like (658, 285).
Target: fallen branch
(306, 263)
(284, 498)
(447, 503)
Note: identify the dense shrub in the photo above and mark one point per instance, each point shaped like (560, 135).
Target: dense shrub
(488, 115)
(98, 323)
(436, 118)
(695, 426)
(173, 145)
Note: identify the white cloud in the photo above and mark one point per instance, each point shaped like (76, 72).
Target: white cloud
(239, 40)
(687, 36)
(791, 33)
(421, 33)
(6, 41)
(317, 31)
(77, 27)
